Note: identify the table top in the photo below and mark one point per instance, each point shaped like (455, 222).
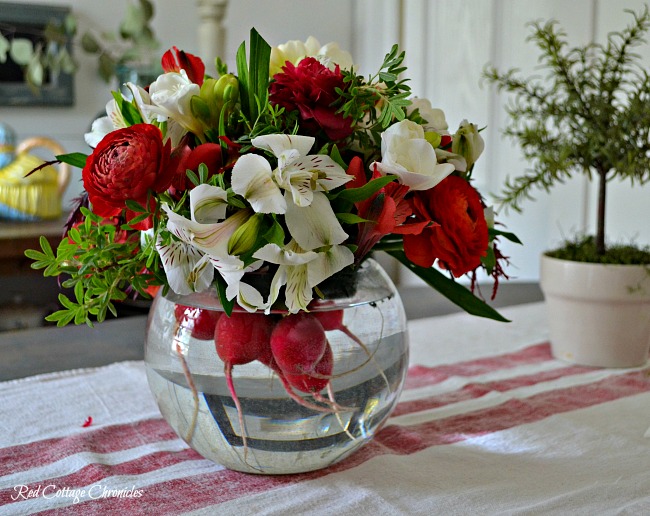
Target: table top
(488, 423)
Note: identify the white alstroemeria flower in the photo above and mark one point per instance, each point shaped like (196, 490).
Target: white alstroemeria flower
(406, 154)
(142, 101)
(248, 297)
(302, 270)
(315, 225)
(435, 118)
(203, 243)
(208, 204)
(299, 173)
(188, 269)
(252, 178)
(114, 119)
(105, 124)
(170, 96)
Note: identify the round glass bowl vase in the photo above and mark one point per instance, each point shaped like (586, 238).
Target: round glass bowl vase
(274, 431)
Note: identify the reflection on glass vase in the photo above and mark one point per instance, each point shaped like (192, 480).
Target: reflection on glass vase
(264, 417)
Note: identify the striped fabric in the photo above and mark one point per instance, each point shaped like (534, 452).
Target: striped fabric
(513, 432)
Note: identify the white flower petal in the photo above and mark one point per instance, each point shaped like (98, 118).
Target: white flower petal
(278, 143)
(298, 292)
(315, 225)
(252, 178)
(208, 204)
(417, 181)
(187, 269)
(406, 154)
(212, 239)
(328, 263)
(272, 253)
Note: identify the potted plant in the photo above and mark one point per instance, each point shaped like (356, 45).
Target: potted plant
(590, 114)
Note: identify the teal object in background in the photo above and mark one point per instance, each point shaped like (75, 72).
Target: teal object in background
(7, 145)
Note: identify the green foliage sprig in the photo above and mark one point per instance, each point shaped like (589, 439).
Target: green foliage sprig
(589, 113)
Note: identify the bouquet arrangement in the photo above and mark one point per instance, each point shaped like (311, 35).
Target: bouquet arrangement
(295, 165)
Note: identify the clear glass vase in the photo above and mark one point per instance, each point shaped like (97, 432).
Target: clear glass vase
(274, 428)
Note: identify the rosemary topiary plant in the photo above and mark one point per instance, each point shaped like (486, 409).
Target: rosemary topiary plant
(590, 113)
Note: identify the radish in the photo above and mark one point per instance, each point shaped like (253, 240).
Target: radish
(333, 320)
(304, 359)
(318, 379)
(200, 321)
(239, 339)
(298, 343)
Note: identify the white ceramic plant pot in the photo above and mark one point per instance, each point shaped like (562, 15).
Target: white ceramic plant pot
(599, 315)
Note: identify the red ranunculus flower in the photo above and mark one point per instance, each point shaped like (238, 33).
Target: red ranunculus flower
(460, 237)
(310, 88)
(126, 165)
(184, 158)
(175, 60)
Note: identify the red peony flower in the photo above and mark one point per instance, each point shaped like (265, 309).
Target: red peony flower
(459, 237)
(184, 158)
(310, 88)
(126, 165)
(175, 60)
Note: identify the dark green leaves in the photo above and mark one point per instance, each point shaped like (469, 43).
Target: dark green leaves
(452, 290)
(76, 159)
(254, 75)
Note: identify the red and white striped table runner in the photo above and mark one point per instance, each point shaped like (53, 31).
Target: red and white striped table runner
(513, 431)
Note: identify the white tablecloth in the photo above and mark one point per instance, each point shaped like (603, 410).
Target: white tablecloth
(488, 423)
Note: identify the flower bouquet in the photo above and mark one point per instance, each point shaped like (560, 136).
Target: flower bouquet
(296, 164)
(269, 188)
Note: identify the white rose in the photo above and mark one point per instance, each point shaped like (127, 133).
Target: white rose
(170, 95)
(406, 154)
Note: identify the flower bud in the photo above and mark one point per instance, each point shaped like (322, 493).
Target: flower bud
(245, 236)
(468, 143)
(226, 89)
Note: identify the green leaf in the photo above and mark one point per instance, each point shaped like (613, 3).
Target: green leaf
(254, 76)
(242, 72)
(89, 43)
(227, 305)
(275, 234)
(336, 156)
(4, 48)
(350, 218)
(135, 206)
(451, 289)
(76, 159)
(505, 234)
(364, 192)
(21, 51)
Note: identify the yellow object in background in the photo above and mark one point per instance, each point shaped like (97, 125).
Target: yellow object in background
(35, 196)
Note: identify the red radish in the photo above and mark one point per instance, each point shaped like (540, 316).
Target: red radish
(200, 321)
(330, 319)
(333, 320)
(298, 343)
(318, 379)
(240, 339)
